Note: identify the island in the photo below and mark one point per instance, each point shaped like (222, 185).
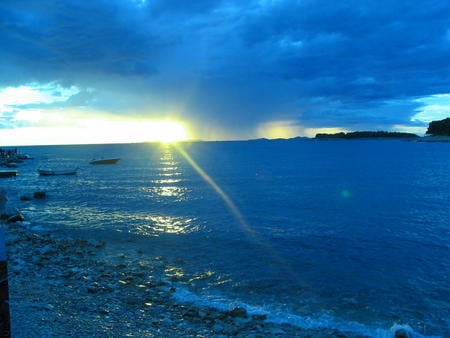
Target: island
(367, 134)
(439, 128)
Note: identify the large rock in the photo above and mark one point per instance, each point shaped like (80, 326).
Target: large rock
(401, 333)
(15, 218)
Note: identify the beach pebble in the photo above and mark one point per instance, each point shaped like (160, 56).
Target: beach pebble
(401, 333)
(11, 238)
(191, 313)
(238, 312)
(96, 244)
(259, 317)
(133, 300)
(218, 328)
(93, 288)
(48, 249)
(277, 331)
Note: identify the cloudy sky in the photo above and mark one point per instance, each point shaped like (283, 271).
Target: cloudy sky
(116, 71)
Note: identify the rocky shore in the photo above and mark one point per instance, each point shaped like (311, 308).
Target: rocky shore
(62, 287)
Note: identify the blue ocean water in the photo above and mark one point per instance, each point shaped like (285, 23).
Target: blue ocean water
(343, 234)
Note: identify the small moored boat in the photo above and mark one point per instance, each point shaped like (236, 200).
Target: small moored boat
(105, 161)
(8, 173)
(44, 172)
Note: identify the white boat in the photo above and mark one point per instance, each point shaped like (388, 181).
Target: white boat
(44, 172)
(105, 161)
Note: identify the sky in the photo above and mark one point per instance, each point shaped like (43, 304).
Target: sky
(140, 70)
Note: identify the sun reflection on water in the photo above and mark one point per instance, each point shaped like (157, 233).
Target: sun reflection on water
(167, 181)
(157, 224)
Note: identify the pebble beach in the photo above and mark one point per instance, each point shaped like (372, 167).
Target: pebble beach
(61, 287)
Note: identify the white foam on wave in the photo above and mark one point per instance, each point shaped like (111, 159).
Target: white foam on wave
(315, 321)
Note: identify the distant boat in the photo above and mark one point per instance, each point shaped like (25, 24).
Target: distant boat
(105, 161)
(44, 172)
(8, 173)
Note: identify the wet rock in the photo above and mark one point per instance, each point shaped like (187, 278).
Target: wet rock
(93, 288)
(238, 312)
(277, 331)
(12, 239)
(240, 321)
(133, 300)
(48, 249)
(97, 244)
(218, 328)
(26, 198)
(15, 218)
(39, 194)
(191, 313)
(259, 317)
(48, 307)
(401, 333)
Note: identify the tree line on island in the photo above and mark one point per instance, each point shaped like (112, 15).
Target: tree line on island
(435, 128)
(439, 128)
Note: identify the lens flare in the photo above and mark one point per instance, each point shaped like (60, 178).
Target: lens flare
(241, 219)
(229, 203)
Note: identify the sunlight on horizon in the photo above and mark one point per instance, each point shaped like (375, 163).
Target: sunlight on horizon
(98, 130)
(168, 131)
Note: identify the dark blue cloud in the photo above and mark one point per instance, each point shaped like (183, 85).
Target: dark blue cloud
(236, 64)
(66, 38)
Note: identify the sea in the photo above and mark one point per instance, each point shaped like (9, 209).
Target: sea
(352, 235)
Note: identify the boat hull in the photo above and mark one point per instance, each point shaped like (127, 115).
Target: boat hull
(8, 173)
(105, 161)
(56, 172)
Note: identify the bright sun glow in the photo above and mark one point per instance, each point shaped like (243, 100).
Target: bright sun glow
(167, 131)
(55, 129)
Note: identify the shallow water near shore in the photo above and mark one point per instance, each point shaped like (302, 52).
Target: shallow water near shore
(346, 235)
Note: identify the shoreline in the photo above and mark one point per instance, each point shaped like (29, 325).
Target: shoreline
(61, 287)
